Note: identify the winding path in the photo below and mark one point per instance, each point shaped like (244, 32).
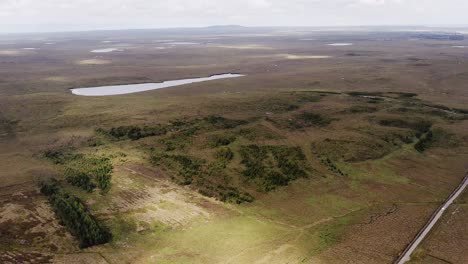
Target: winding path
(406, 254)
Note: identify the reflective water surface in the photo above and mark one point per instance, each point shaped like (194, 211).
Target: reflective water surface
(135, 88)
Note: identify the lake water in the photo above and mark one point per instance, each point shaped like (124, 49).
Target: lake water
(136, 88)
(182, 43)
(105, 50)
(340, 44)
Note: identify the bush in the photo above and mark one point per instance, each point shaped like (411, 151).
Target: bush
(73, 214)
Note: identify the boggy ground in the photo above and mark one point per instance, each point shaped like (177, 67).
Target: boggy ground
(284, 165)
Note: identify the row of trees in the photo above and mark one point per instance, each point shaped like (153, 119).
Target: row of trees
(73, 214)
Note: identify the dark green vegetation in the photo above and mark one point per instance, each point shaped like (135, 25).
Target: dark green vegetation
(220, 140)
(420, 126)
(436, 138)
(362, 109)
(309, 119)
(183, 131)
(73, 214)
(351, 150)
(272, 166)
(84, 171)
(397, 95)
(331, 166)
(205, 177)
(224, 154)
(7, 126)
(132, 132)
(187, 167)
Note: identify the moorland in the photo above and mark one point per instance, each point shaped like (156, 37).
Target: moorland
(319, 154)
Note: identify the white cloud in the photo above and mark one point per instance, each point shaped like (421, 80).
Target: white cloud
(52, 15)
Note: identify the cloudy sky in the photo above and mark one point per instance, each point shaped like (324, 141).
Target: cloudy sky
(65, 15)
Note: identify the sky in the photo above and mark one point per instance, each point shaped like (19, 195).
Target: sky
(76, 15)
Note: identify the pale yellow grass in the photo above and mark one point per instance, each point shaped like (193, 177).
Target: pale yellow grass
(56, 79)
(13, 52)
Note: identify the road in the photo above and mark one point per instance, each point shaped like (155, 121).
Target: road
(406, 255)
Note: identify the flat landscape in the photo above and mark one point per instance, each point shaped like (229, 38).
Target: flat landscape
(330, 146)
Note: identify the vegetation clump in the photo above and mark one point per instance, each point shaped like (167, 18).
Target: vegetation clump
(132, 132)
(7, 126)
(331, 166)
(192, 171)
(73, 214)
(420, 126)
(187, 167)
(309, 119)
(89, 172)
(219, 122)
(58, 155)
(227, 194)
(79, 179)
(362, 109)
(272, 166)
(220, 140)
(352, 150)
(357, 93)
(224, 154)
(436, 138)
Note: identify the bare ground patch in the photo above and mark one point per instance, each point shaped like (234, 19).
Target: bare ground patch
(27, 220)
